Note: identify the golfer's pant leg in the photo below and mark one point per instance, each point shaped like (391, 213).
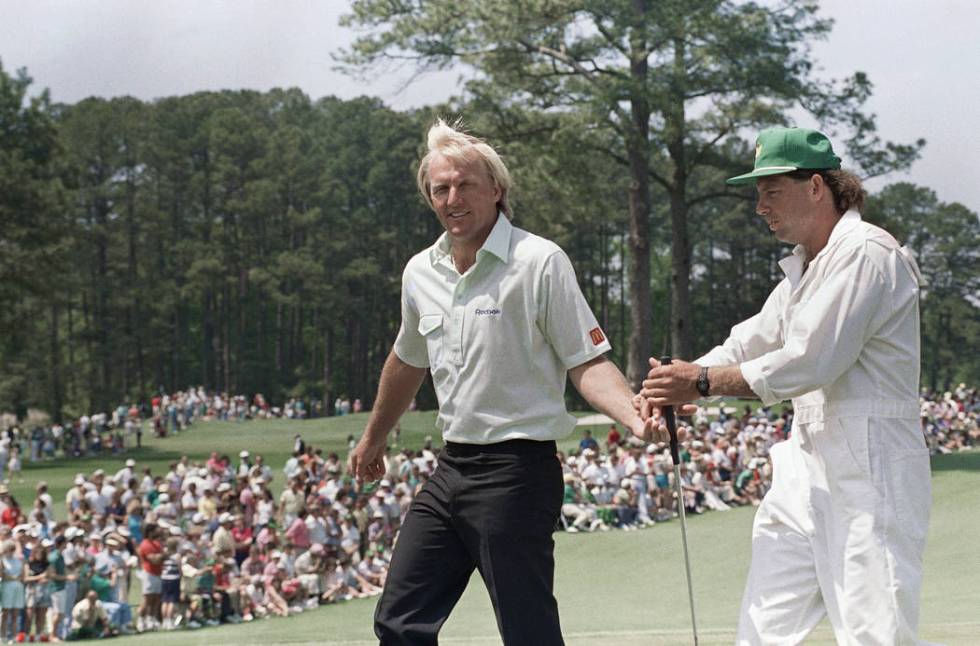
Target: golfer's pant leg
(429, 570)
(509, 518)
(782, 601)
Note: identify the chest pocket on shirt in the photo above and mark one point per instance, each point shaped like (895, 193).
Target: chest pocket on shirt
(430, 327)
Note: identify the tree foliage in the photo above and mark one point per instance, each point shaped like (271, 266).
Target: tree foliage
(253, 242)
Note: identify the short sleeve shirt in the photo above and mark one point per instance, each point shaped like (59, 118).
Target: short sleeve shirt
(57, 561)
(500, 338)
(146, 549)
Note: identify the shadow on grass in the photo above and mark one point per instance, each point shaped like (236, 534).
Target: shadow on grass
(963, 461)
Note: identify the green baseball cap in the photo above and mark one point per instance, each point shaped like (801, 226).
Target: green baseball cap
(783, 150)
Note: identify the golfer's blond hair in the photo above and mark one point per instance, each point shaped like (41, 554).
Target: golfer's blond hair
(450, 141)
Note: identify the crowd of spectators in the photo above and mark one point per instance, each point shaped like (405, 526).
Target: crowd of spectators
(209, 543)
(725, 463)
(113, 433)
(205, 543)
(949, 420)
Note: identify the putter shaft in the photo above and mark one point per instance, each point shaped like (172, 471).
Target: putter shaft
(687, 558)
(671, 421)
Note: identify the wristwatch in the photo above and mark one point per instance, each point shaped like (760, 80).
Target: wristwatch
(702, 383)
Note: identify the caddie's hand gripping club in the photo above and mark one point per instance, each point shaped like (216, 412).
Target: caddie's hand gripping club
(671, 421)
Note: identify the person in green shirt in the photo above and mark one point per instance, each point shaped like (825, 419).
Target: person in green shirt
(58, 581)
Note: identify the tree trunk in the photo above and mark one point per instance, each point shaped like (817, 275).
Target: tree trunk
(279, 342)
(680, 246)
(69, 338)
(228, 386)
(57, 396)
(102, 316)
(327, 376)
(638, 152)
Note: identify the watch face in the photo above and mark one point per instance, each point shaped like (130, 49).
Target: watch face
(702, 383)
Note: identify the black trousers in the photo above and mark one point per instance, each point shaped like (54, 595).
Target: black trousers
(493, 508)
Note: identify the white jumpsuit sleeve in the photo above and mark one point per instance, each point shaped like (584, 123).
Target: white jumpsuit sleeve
(825, 334)
(752, 337)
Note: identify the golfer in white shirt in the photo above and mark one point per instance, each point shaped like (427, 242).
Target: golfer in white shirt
(496, 315)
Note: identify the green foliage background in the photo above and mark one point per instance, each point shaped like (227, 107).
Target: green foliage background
(253, 242)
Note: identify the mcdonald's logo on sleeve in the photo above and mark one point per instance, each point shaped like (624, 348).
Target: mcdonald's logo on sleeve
(597, 336)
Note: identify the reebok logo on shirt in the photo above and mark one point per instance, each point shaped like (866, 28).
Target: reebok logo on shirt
(490, 312)
(597, 336)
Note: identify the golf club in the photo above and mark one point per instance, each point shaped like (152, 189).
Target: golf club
(671, 420)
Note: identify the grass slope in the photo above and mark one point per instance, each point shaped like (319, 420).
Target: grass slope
(615, 588)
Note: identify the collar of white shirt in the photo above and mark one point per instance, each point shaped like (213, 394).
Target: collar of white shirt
(497, 243)
(793, 265)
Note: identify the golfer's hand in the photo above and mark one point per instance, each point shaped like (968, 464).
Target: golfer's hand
(647, 409)
(653, 426)
(672, 384)
(650, 428)
(366, 461)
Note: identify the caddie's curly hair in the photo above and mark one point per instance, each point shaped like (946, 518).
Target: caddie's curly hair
(844, 185)
(452, 142)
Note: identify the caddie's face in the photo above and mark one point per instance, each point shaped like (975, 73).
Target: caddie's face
(464, 197)
(783, 203)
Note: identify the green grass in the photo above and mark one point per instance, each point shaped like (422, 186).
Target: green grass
(615, 588)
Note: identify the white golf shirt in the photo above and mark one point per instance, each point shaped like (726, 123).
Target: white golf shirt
(499, 339)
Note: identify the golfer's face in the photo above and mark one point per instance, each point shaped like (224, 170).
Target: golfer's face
(464, 198)
(782, 203)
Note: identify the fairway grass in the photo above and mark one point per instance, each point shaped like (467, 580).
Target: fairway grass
(614, 588)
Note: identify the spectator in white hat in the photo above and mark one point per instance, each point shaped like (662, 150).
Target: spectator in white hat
(244, 464)
(124, 475)
(222, 541)
(76, 494)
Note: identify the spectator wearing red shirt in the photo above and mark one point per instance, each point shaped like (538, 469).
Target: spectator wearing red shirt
(242, 535)
(151, 559)
(614, 438)
(214, 464)
(10, 516)
(298, 533)
(246, 498)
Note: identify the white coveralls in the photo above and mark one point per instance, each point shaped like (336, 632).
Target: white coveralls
(842, 530)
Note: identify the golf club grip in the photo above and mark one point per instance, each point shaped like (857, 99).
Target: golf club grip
(671, 421)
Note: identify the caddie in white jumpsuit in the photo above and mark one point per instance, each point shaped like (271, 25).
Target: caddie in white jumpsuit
(842, 530)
